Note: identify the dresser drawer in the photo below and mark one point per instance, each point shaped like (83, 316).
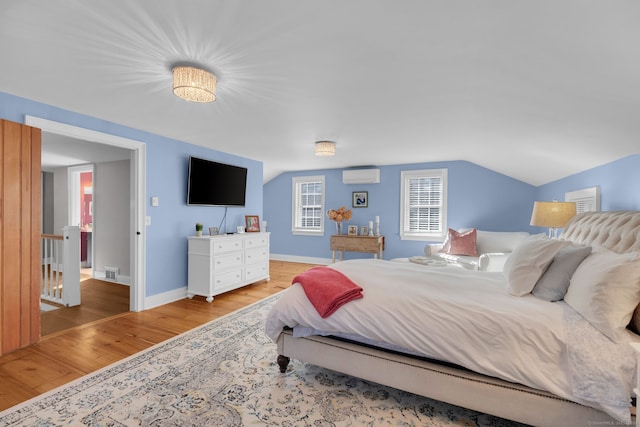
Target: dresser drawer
(225, 244)
(254, 256)
(228, 279)
(222, 262)
(260, 240)
(256, 272)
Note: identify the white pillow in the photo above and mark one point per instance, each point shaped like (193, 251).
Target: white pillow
(528, 261)
(605, 290)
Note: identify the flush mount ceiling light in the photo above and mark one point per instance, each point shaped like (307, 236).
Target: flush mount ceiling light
(194, 84)
(325, 148)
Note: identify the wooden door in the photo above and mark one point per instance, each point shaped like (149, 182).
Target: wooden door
(20, 212)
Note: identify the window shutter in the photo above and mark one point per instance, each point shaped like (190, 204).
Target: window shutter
(423, 204)
(587, 200)
(308, 205)
(425, 200)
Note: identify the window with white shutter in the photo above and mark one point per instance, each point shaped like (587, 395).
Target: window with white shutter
(423, 204)
(308, 205)
(587, 199)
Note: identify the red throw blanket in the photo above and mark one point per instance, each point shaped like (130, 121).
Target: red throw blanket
(327, 289)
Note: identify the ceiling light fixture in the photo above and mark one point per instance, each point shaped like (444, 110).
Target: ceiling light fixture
(194, 84)
(325, 148)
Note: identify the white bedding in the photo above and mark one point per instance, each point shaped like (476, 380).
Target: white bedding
(439, 313)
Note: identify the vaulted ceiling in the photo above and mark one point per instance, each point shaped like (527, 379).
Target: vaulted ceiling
(534, 89)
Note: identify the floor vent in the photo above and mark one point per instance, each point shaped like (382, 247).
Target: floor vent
(111, 273)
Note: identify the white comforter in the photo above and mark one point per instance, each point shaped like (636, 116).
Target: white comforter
(467, 317)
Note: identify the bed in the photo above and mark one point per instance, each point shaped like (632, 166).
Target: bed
(475, 339)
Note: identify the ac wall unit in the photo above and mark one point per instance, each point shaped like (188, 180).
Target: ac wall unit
(361, 176)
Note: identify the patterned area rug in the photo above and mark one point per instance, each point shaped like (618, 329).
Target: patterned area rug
(224, 374)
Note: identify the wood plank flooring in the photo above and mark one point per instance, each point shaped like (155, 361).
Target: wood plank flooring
(69, 354)
(100, 299)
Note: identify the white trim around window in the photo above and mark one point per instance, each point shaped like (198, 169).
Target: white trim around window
(586, 200)
(423, 204)
(307, 205)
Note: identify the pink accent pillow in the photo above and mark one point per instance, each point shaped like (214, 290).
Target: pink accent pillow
(460, 243)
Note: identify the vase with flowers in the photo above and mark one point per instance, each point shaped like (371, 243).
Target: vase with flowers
(339, 215)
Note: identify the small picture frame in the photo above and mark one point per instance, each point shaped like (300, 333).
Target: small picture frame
(360, 199)
(364, 230)
(352, 230)
(252, 223)
(214, 231)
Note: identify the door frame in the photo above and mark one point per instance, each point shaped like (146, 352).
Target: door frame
(138, 171)
(73, 198)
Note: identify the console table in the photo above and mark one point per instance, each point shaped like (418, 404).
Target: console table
(368, 244)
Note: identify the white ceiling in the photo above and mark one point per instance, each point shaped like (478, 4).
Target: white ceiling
(534, 89)
(58, 150)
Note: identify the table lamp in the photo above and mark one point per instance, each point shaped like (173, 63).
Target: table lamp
(553, 215)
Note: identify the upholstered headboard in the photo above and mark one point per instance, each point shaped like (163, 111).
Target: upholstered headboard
(618, 231)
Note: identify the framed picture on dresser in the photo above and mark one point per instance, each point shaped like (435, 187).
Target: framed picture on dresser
(252, 223)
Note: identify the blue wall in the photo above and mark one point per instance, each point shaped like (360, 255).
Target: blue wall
(478, 197)
(167, 166)
(619, 184)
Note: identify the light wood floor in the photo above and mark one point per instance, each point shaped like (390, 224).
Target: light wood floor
(69, 354)
(100, 300)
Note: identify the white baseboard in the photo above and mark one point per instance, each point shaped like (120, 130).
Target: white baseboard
(165, 298)
(302, 259)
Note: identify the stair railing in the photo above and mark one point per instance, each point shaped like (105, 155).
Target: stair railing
(60, 275)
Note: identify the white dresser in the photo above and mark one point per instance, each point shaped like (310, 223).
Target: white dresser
(221, 263)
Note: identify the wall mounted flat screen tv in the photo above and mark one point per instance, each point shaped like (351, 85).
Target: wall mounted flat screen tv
(216, 184)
